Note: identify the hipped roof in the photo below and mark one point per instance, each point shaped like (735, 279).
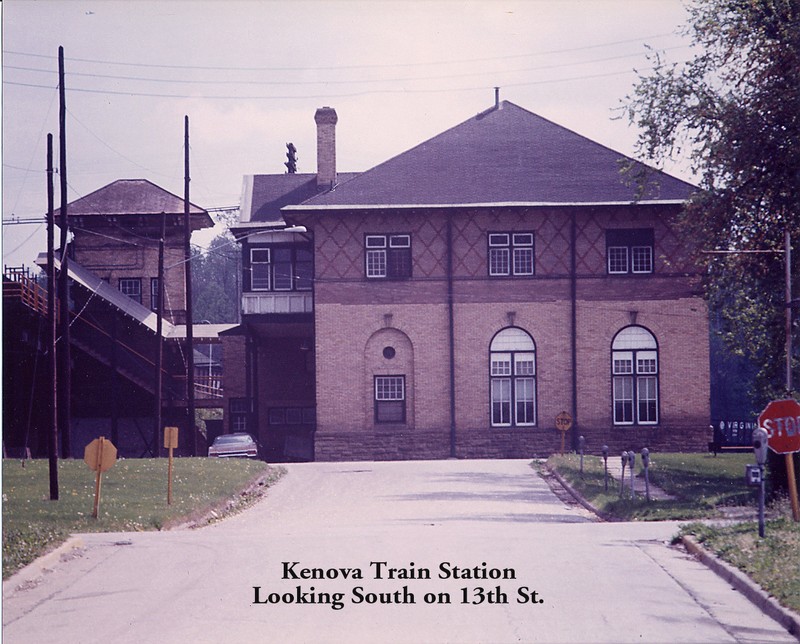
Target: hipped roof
(505, 155)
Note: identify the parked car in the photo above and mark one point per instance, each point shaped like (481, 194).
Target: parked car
(239, 445)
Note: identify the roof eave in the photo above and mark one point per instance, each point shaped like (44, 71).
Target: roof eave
(497, 204)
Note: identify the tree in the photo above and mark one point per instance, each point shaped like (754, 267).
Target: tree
(215, 281)
(733, 111)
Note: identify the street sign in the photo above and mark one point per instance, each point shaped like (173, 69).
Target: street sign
(100, 455)
(781, 420)
(170, 438)
(563, 421)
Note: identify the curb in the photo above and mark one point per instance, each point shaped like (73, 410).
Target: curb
(40, 566)
(741, 582)
(603, 516)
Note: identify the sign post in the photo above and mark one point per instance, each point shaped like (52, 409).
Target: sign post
(781, 420)
(170, 443)
(563, 423)
(99, 455)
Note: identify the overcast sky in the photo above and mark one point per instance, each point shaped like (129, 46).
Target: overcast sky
(250, 75)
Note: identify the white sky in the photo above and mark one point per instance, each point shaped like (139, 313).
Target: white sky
(250, 75)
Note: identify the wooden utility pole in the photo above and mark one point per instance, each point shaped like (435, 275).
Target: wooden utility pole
(187, 267)
(159, 340)
(52, 440)
(65, 380)
(791, 476)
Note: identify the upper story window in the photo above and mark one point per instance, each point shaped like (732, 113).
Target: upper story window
(511, 254)
(388, 256)
(154, 294)
(132, 287)
(629, 251)
(281, 269)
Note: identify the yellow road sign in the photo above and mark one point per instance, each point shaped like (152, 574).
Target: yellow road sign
(563, 421)
(170, 437)
(100, 455)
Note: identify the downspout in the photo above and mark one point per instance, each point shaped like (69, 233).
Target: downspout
(451, 335)
(574, 326)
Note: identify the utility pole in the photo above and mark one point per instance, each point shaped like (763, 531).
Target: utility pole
(787, 242)
(187, 253)
(64, 404)
(52, 441)
(159, 340)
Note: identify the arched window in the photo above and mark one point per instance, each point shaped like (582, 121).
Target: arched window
(512, 374)
(634, 373)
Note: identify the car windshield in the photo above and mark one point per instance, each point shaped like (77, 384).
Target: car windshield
(227, 440)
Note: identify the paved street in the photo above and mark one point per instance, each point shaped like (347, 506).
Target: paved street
(445, 551)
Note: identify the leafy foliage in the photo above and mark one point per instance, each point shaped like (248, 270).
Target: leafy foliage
(216, 282)
(734, 111)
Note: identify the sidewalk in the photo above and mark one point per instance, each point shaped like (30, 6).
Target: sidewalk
(615, 471)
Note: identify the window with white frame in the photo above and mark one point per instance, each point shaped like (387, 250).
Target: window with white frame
(132, 287)
(281, 268)
(629, 251)
(260, 269)
(387, 256)
(511, 254)
(512, 376)
(154, 294)
(390, 399)
(634, 373)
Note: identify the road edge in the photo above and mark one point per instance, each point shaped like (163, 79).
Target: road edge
(741, 582)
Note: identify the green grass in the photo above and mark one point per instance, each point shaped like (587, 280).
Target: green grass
(700, 483)
(133, 498)
(772, 562)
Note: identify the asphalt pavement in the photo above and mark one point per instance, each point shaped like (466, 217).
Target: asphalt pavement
(432, 551)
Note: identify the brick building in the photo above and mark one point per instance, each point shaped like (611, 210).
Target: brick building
(459, 296)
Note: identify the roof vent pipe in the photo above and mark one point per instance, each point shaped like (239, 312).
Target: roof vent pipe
(497, 98)
(326, 118)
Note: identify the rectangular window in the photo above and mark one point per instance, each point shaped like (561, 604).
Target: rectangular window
(629, 251)
(623, 400)
(647, 394)
(511, 254)
(524, 397)
(260, 268)
(388, 256)
(390, 399)
(282, 269)
(154, 294)
(501, 401)
(132, 287)
(240, 414)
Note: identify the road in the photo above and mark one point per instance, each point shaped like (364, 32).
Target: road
(437, 551)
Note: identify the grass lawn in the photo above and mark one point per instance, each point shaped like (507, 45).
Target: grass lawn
(772, 562)
(701, 485)
(133, 497)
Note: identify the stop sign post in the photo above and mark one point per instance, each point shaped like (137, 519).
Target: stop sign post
(781, 420)
(99, 455)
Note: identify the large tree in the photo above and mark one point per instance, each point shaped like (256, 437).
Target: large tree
(733, 111)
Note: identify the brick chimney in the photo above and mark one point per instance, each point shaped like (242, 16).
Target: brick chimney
(326, 119)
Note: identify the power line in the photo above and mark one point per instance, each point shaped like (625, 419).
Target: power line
(329, 95)
(328, 81)
(361, 66)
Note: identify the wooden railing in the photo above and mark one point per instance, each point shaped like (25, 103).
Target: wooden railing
(18, 283)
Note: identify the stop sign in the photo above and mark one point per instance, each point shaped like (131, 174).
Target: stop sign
(781, 420)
